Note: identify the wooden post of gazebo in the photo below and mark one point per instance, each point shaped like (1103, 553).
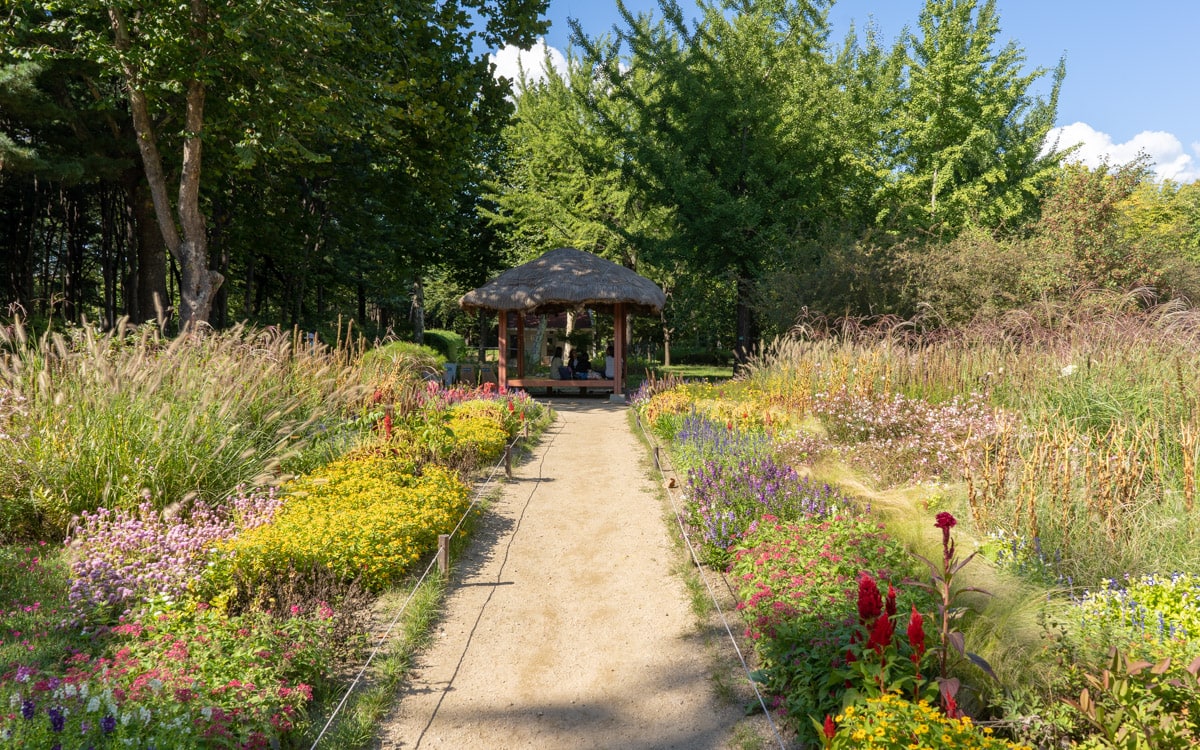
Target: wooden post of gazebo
(618, 349)
(502, 365)
(520, 344)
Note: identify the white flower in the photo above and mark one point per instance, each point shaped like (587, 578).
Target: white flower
(1068, 371)
(93, 705)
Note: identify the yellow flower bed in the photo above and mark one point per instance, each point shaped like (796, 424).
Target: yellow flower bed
(889, 722)
(477, 436)
(675, 401)
(366, 518)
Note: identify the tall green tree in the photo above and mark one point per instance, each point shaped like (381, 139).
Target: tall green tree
(967, 133)
(283, 80)
(736, 139)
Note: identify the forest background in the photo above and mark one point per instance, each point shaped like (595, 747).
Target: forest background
(300, 164)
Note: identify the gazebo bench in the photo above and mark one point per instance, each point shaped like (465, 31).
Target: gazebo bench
(551, 383)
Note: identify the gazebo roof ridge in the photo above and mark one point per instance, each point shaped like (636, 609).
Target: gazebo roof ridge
(566, 279)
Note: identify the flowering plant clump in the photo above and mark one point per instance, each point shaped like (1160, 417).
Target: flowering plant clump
(701, 439)
(365, 519)
(723, 500)
(906, 438)
(1151, 617)
(125, 557)
(477, 438)
(178, 679)
(669, 403)
(798, 590)
(889, 722)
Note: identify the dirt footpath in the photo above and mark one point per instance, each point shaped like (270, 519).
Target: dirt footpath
(564, 627)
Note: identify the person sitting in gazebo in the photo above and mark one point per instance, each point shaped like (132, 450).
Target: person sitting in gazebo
(579, 365)
(558, 370)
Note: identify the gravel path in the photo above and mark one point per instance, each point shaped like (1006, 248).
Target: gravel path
(565, 627)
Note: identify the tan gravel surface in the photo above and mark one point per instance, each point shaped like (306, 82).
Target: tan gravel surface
(564, 626)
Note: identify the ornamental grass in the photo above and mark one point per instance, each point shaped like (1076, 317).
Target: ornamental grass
(112, 420)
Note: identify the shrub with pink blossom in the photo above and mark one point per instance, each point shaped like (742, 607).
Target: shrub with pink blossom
(798, 589)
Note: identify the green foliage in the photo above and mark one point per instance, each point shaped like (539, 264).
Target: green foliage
(390, 366)
(1136, 706)
(449, 344)
(1149, 618)
(965, 133)
(366, 518)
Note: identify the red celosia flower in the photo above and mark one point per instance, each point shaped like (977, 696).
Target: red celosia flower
(881, 634)
(889, 604)
(945, 522)
(387, 425)
(916, 634)
(830, 728)
(951, 706)
(870, 604)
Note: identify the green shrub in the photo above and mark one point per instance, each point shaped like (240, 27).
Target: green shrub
(449, 344)
(367, 518)
(1149, 617)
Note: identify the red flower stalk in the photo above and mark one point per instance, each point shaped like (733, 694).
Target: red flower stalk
(945, 522)
(951, 706)
(889, 604)
(881, 634)
(830, 728)
(870, 604)
(387, 425)
(916, 635)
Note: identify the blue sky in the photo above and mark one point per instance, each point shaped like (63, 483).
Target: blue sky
(1133, 82)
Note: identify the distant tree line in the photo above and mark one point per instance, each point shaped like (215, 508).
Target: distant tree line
(291, 162)
(281, 161)
(758, 170)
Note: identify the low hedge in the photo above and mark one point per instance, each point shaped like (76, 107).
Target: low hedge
(367, 519)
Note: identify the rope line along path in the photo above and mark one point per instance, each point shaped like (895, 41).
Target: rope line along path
(564, 627)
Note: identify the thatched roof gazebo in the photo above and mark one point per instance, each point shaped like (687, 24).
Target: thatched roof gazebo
(565, 279)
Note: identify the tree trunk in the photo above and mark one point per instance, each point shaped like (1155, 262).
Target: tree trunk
(416, 312)
(198, 283)
(150, 300)
(747, 325)
(667, 331)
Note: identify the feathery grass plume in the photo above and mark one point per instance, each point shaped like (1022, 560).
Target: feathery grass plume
(119, 418)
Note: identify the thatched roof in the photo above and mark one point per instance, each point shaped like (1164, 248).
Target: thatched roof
(566, 279)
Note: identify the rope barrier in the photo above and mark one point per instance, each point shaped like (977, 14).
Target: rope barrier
(477, 495)
(712, 594)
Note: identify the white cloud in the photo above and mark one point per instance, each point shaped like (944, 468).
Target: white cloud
(511, 60)
(1170, 160)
